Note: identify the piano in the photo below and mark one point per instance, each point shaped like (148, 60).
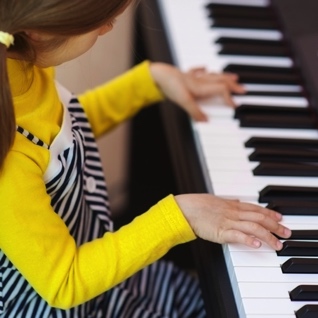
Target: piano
(263, 152)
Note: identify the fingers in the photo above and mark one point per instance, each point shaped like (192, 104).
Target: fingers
(253, 233)
(255, 224)
(231, 221)
(203, 84)
(198, 71)
(241, 237)
(245, 206)
(194, 110)
(230, 81)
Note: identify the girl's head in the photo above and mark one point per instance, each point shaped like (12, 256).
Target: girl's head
(43, 30)
(43, 25)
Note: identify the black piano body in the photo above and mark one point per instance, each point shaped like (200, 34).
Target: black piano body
(164, 132)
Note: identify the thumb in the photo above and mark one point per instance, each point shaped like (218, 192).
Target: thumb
(193, 109)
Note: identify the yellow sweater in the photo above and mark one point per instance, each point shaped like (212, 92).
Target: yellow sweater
(33, 236)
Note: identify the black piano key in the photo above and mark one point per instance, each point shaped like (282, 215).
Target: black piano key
(284, 122)
(220, 22)
(302, 235)
(262, 110)
(294, 207)
(251, 50)
(238, 68)
(264, 78)
(251, 74)
(216, 9)
(307, 311)
(271, 142)
(304, 293)
(285, 169)
(246, 73)
(299, 248)
(300, 266)
(272, 94)
(276, 154)
(255, 42)
(236, 46)
(258, 75)
(288, 193)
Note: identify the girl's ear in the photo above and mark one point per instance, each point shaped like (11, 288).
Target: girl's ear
(37, 36)
(31, 34)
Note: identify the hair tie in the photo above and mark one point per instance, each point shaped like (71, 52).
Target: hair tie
(6, 38)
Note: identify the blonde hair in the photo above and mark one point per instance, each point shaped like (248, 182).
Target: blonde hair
(60, 18)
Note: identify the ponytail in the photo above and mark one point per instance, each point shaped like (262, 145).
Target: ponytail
(7, 118)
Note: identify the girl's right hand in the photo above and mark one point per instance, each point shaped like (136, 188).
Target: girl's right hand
(230, 221)
(186, 89)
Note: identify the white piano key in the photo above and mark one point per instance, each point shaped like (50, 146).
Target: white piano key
(271, 274)
(266, 290)
(228, 152)
(310, 221)
(248, 259)
(272, 88)
(223, 138)
(223, 127)
(218, 63)
(230, 164)
(272, 306)
(258, 3)
(220, 109)
(246, 186)
(263, 250)
(273, 35)
(271, 100)
(271, 316)
(301, 226)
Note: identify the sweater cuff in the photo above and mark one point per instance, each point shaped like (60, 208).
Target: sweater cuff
(175, 218)
(148, 84)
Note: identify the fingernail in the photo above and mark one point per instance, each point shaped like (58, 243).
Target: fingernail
(279, 245)
(278, 216)
(287, 232)
(256, 243)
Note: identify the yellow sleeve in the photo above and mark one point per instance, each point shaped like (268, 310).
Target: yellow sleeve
(38, 243)
(119, 99)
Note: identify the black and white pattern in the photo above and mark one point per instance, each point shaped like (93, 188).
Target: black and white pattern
(32, 138)
(79, 196)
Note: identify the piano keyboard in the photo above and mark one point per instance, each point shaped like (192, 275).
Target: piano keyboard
(260, 287)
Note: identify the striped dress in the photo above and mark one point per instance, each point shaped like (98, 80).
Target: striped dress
(75, 182)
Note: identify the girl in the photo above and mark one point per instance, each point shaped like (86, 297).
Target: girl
(58, 254)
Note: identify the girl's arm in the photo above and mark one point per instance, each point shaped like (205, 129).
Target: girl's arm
(117, 100)
(121, 98)
(38, 243)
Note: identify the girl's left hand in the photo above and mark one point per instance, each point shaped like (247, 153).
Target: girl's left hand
(185, 89)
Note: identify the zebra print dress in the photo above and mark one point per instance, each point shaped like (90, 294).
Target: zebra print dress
(75, 182)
